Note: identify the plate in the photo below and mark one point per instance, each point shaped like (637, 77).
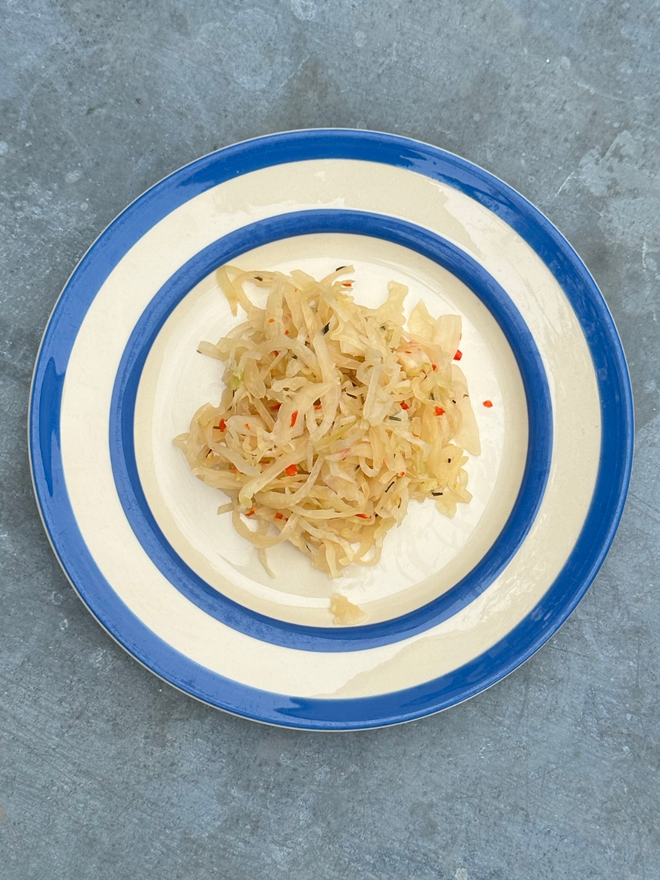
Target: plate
(454, 605)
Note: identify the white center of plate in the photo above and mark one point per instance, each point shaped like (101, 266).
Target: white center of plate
(428, 553)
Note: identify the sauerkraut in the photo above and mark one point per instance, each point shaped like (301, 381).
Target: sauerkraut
(334, 416)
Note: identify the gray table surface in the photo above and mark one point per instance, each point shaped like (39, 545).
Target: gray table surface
(105, 772)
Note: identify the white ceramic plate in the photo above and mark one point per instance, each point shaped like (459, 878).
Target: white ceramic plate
(453, 606)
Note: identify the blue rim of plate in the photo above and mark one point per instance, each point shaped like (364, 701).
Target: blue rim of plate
(226, 250)
(567, 589)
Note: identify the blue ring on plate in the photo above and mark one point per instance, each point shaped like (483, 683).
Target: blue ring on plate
(232, 613)
(565, 592)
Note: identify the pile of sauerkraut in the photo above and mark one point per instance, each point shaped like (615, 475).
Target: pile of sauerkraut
(333, 417)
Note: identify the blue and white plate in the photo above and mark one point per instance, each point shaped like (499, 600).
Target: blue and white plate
(453, 605)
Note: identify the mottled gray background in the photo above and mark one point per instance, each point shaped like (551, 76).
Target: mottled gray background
(107, 773)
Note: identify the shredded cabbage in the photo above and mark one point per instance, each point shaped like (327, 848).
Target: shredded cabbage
(333, 417)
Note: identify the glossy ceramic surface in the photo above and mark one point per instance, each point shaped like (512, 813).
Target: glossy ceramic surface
(453, 605)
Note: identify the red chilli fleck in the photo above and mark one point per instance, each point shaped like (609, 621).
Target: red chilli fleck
(271, 320)
(347, 284)
(488, 403)
(439, 411)
(276, 407)
(294, 416)
(405, 405)
(291, 471)
(363, 515)
(286, 332)
(278, 516)
(402, 474)
(223, 425)
(251, 512)
(319, 406)
(458, 355)
(435, 367)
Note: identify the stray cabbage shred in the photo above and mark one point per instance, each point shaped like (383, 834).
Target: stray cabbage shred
(333, 417)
